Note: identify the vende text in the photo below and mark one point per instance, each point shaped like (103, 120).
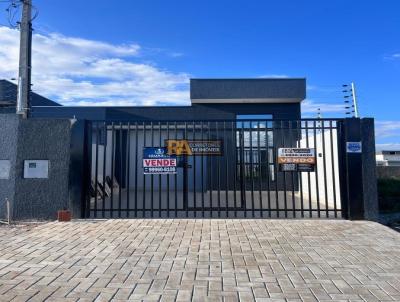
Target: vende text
(159, 162)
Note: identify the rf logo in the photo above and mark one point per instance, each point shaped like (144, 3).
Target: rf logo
(178, 147)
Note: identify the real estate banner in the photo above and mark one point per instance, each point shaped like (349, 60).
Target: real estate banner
(194, 147)
(156, 160)
(296, 159)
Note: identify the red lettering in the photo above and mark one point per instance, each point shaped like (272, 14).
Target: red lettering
(159, 162)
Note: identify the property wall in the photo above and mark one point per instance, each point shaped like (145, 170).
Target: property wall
(369, 169)
(388, 172)
(35, 139)
(49, 140)
(78, 175)
(8, 143)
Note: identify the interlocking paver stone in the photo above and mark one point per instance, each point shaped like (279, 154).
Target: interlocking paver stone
(200, 260)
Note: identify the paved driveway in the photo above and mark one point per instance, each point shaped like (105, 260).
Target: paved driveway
(200, 260)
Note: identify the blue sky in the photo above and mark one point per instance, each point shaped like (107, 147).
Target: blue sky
(328, 42)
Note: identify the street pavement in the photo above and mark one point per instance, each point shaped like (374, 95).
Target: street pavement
(200, 260)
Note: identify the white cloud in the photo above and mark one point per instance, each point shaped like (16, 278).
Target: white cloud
(176, 54)
(311, 87)
(384, 129)
(76, 71)
(274, 76)
(329, 90)
(393, 56)
(310, 106)
(387, 134)
(388, 146)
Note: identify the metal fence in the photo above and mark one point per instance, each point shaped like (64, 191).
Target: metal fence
(232, 172)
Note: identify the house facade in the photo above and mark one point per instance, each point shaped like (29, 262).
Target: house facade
(240, 149)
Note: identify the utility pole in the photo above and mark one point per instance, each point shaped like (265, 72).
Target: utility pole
(25, 59)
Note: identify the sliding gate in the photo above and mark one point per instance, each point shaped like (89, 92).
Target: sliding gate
(230, 168)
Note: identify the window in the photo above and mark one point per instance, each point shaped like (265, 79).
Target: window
(254, 141)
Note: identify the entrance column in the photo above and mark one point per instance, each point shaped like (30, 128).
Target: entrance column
(360, 166)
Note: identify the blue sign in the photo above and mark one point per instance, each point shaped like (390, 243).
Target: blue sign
(156, 160)
(354, 147)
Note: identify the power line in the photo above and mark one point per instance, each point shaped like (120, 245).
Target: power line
(14, 8)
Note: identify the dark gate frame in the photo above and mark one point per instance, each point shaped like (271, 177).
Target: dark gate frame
(89, 133)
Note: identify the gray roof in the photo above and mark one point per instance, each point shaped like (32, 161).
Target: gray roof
(8, 96)
(260, 88)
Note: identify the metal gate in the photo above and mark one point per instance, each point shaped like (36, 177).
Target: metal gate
(232, 172)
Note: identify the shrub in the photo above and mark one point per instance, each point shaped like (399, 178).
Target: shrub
(389, 194)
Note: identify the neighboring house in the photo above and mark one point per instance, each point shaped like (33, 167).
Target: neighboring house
(388, 158)
(8, 98)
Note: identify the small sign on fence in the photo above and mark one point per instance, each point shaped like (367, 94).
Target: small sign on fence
(157, 161)
(353, 147)
(296, 159)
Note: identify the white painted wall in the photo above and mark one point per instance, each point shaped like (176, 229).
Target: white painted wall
(325, 180)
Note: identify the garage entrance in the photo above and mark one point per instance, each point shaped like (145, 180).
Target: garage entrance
(218, 169)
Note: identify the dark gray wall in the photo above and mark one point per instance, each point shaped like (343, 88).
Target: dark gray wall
(8, 143)
(194, 112)
(359, 182)
(80, 113)
(371, 208)
(247, 88)
(37, 139)
(204, 112)
(78, 170)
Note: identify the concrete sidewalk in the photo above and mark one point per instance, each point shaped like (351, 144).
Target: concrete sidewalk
(200, 260)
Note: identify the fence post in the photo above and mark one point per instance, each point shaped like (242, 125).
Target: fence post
(354, 168)
(371, 208)
(78, 169)
(360, 165)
